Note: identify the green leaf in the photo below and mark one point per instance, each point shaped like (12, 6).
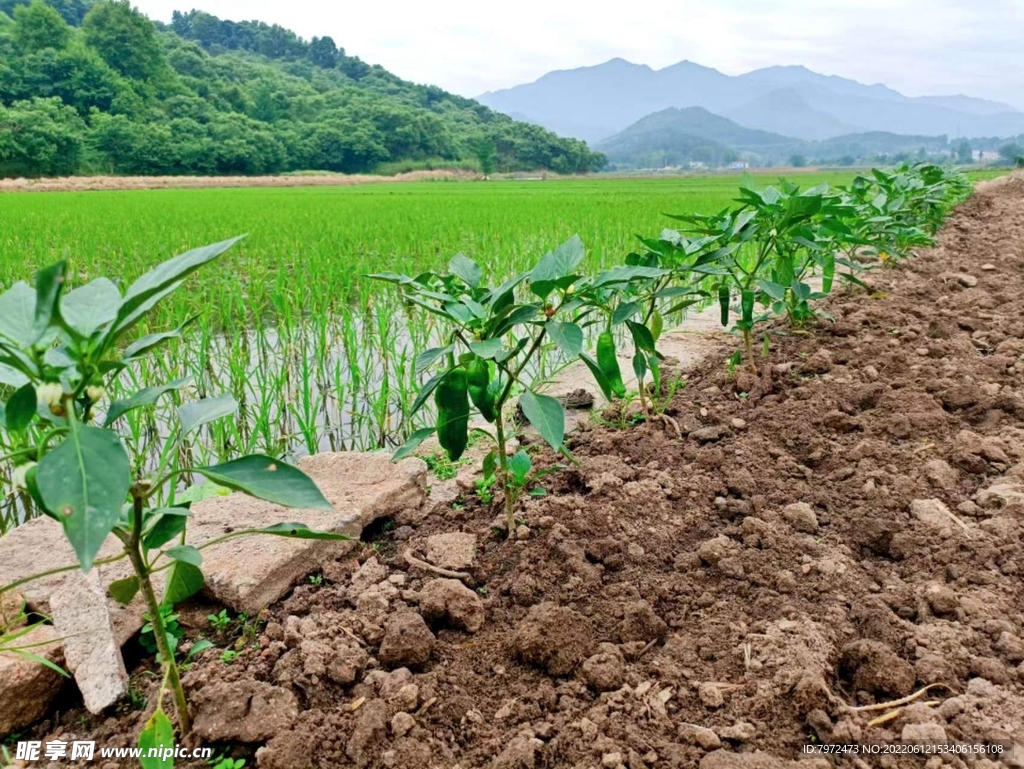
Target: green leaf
(89, 308)
(20, 410)
(547, 415)
(39, 660)
(568, 337)
(520, 465)
(642, 336)
(427, 358)
(170, 522)
(775, 290)
(487, 348)
(623, 311)
(490, 463)
(270, 479)
(198, 413)
(599, 376)
(300, 531)
(49, 284)
(626, 274)
(144, 293)
(410, 446)
(84, 482)
(18, 314)
(424, 393)
(185, 554)
(640, 365)
(144, 344)
(124, 590)
(11, 376)
(198, 648)
(555, 266)
(147, 396)
(183, 581)
(158, 736)
(466, 269)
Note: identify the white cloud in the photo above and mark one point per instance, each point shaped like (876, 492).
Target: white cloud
(915, 46)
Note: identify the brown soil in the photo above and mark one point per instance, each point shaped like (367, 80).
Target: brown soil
(816, 545)
(87, 183)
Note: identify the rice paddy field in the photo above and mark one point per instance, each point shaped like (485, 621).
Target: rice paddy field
(317, 356)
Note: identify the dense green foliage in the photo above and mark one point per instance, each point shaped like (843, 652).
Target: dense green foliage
(117, 94)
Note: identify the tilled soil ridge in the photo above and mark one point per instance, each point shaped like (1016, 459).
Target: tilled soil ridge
(839, 534)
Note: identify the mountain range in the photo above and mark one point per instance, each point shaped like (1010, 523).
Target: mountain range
(674, 137)
(594, 103)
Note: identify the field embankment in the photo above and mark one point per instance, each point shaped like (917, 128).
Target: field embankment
(87, 183)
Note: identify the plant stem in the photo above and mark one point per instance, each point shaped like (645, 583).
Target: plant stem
(134, 549)
(503, 465)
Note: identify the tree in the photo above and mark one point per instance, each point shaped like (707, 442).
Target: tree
(39, 137)
(798, 161)
(323, 52)
(1011, 153)
(72, 11)
(38, 26)
(124, 38)
(964, 153)
(485, 156)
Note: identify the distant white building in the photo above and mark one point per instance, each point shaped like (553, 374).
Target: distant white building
(982, 155)
(739, 165)
(697, 165)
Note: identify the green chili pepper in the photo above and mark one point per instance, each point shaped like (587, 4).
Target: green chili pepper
(657, 325)
(452, 399)
(608, 361)
(478, 375)
(747, 305)
(723, 302)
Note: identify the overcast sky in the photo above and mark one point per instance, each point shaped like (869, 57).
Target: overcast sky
(918, 47)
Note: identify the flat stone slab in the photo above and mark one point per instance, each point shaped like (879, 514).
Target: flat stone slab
(246, 573)
(26, 687)
(91, 649)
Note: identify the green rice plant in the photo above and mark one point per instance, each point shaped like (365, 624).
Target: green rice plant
(60, 351)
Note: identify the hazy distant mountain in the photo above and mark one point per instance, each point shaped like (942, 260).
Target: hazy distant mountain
(785, 111)
(675, 137)
(594, 103)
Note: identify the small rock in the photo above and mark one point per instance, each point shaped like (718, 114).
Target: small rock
(934, 514)
(988, 267)
(700, 735)
(711, 695)
(709, 434)
(870, 373)
(522, 532)
(611, 760)
(737, 423)
(941, 599)
(451, 601)
(801, 517)
(243, 711)
(370, 732)
(407, 698)
(520, 753)
(554, 637)
(741, 731)
(714, 550)
(402, 724)
(407, 642)
(819, 362)
(941, 473)
(641, 623)
(454, 551)
(606, 670)
(370, 573)
(962, 278)
(991, 669)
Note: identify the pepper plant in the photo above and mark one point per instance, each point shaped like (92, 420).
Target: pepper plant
(491, 337)
(59, 350)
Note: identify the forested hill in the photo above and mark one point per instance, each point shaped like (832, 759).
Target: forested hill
(96, 87)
